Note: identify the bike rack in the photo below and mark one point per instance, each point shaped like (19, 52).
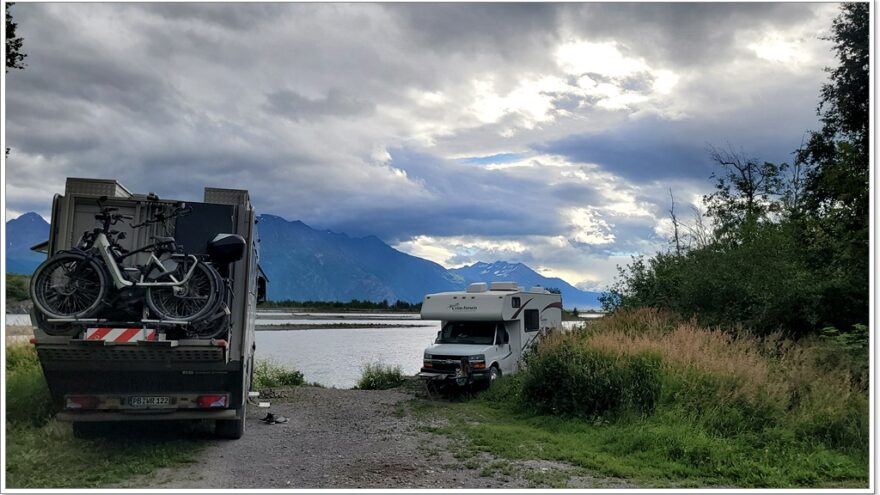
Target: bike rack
(166, 322)
(75, 320)
(117, 322)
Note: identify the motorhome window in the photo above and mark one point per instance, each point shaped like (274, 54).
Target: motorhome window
(531, 320)
(503, 336)
(468, 332)
(514, 301)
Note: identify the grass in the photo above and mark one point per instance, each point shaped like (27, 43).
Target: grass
(42, 452)
(729, 411)
(27, 397)
(269, 374)
(377, 376)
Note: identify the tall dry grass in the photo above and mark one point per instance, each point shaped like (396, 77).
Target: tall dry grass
(770, 365)
(732, 381)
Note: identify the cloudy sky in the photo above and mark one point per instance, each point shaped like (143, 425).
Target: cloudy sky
(541, 133)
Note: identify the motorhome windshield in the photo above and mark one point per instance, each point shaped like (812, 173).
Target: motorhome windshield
(468, 332)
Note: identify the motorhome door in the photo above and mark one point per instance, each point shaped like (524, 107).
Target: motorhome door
(509, 346)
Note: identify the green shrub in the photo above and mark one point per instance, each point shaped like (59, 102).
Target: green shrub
(27, 395)
(268, 373)
(377, 376)
(21, 357)
(17, 287)
(575, 381)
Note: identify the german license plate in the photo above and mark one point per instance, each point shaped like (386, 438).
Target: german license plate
(149, 401)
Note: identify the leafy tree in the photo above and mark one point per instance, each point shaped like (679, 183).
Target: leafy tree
(14, 56)
(746, 191)
(836, 187)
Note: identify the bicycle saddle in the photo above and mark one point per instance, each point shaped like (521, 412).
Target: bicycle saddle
(163, 240)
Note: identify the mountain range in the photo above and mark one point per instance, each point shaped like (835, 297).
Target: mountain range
(304, 263)
(22, 233)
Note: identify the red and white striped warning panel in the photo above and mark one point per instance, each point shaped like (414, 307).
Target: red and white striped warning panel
(121, 334)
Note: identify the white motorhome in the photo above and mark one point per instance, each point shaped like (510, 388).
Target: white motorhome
(485, 329)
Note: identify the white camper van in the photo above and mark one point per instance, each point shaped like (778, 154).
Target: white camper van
(485, 329)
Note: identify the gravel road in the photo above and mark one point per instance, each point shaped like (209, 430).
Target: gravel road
(354, 439)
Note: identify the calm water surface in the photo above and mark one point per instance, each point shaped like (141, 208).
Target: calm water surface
(334, 357)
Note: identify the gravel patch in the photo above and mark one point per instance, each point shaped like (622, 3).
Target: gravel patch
(354, 439)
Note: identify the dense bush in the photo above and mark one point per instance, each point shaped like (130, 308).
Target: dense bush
(268, 373)
(565, 378)
(762, 283)
(377, 376)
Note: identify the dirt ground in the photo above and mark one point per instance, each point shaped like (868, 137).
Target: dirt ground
(354, 439)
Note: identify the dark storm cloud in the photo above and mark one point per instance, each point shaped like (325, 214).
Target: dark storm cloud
(232, 16)
(639, 154)
(508, 28)
(295, 106)
(575, 193)
(465, 200)
(770, 126)
(683, 33)
(679, 33)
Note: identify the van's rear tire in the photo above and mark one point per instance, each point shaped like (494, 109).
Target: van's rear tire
(231, 429)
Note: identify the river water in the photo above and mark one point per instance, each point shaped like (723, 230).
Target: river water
(335, 357)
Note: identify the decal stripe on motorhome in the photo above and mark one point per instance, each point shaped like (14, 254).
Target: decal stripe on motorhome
(552, 305)
(521, 308)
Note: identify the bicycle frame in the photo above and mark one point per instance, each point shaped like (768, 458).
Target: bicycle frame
(103, 246)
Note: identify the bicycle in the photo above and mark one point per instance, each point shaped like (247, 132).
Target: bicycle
(76, 284)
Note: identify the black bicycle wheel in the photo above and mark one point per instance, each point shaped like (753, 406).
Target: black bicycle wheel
(189, 302)
(212, 326)
(69, 285)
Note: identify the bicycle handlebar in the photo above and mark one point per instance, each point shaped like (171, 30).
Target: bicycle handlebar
(161, 216)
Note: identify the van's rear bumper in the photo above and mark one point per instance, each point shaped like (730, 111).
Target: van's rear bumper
(90, 416)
